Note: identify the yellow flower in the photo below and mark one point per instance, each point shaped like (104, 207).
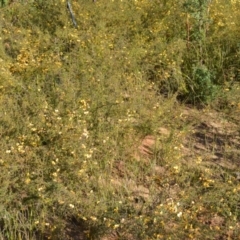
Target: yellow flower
(27, 180)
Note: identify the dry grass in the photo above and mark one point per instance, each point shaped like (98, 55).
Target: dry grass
(118, 129)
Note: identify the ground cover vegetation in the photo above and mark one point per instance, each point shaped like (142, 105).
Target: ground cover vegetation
(125, 126)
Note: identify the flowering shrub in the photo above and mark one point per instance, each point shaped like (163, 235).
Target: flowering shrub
(75, 103)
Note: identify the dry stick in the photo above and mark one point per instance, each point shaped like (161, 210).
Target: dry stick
(71, 12)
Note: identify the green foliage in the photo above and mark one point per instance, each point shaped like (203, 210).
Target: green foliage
(75, 104)
(203, 89)
(3, 2)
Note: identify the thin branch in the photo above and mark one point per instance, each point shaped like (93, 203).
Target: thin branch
(71, 12)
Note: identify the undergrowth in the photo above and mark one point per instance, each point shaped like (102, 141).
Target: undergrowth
(75, 104)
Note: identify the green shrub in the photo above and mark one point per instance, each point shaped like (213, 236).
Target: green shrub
(75, 104)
